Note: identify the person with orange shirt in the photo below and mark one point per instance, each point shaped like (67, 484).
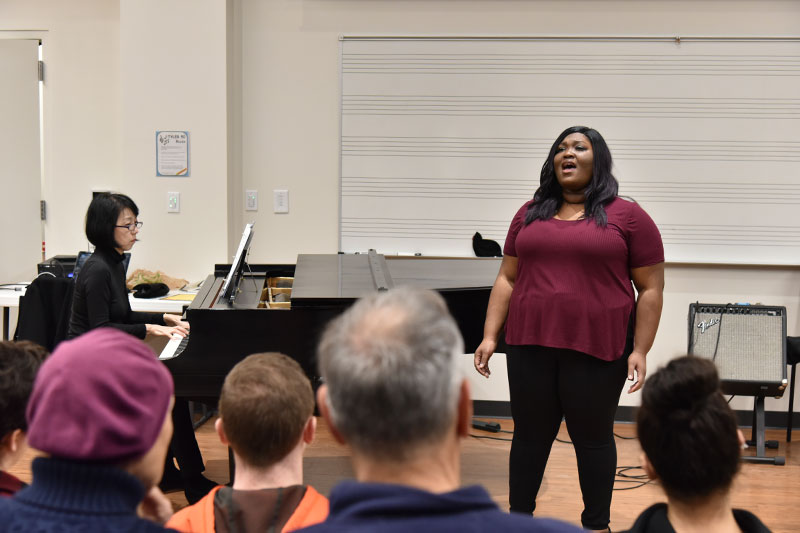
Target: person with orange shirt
(266, 413)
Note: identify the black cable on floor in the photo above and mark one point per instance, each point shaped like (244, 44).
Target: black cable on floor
(638, 480)
(488, 437)
(638, 484)
(622, 471)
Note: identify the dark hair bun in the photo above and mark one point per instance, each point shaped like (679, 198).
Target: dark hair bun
(687, 429)
(683, 390)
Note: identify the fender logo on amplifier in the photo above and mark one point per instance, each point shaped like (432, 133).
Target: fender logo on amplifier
(705, 325)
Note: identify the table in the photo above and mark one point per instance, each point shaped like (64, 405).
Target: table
(9, 297)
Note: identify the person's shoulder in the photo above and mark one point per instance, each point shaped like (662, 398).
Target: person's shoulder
(95, 262)
(748, 522)
(623, 208)
(94, 267)
(194, 517)
(621, 204)
(9, 484)
(652, 519)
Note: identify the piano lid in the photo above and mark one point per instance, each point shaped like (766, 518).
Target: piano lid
(341, 277)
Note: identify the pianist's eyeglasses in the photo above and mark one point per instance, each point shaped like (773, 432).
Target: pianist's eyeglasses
(132, 226)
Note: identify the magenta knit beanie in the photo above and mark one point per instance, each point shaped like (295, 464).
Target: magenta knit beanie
(100, 397)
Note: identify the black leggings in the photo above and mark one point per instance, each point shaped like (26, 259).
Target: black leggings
(547, 384)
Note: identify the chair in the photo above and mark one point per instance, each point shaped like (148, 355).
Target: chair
(792, 358)
(44, 311)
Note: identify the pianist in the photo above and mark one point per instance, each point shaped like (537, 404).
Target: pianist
(101, 297)
(101, 300)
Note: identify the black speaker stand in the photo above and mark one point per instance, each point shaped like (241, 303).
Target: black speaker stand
(759, 438)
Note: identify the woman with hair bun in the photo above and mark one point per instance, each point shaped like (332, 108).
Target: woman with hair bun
(574, 327)
(691, 444)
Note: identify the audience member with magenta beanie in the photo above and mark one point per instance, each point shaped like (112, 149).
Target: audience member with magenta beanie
(99, 411)
(691, 445)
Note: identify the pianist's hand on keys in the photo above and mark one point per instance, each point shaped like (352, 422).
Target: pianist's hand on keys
(174, 347)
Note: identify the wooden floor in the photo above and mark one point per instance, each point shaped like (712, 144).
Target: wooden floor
(771, 492)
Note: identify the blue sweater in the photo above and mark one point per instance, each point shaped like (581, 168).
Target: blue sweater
(369, 507)
(67, 496)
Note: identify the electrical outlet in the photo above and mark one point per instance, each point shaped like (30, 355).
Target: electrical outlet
(251, 200)
(280, 200)
(173, 202)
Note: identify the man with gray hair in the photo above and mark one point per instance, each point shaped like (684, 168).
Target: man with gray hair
(394, 394)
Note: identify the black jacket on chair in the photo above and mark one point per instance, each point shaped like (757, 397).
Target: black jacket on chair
(44, 311)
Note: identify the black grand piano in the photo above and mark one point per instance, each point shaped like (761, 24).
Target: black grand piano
(284, 308)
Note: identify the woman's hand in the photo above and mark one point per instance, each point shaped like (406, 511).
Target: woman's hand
(175, 320)
(482, 355)
(637, 362)
(165, 331)
(155, 507)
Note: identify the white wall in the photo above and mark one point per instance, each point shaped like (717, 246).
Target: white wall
(173, 63)
(290, 136)
(99, 133)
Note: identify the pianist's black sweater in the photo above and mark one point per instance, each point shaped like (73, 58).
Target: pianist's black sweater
(101, 298)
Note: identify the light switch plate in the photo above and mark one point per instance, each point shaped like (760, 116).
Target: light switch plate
(280, 200)
(173, 202)
(251, 200)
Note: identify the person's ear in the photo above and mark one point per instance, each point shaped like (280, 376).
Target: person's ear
(310, 430)
(464, 415)
(322, 403)
(13, 441)
(19, 440)
(647, 466)
(219, 425)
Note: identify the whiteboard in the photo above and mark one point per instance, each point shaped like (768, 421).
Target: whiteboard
(442, 137)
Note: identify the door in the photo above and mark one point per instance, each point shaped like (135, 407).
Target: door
(20, 171)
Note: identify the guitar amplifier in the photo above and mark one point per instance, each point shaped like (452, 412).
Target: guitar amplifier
(746, 342)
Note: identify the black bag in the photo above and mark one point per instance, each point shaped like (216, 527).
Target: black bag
(485, 247)
(150, 290)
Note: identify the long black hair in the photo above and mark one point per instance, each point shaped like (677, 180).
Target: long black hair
(601, 189)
